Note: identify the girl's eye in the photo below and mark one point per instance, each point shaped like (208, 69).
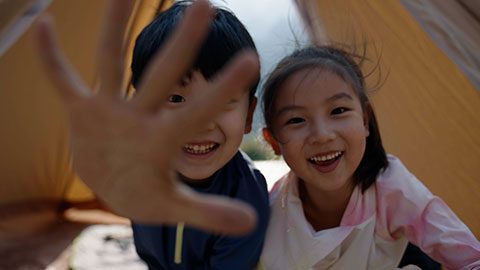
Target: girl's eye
(176, 99)
(295, 120)
(338, 111)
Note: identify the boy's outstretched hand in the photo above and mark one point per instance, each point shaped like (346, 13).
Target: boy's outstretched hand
(124, 150)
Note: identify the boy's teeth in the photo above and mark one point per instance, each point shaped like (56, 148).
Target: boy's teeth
(326, 157)
(198, 149)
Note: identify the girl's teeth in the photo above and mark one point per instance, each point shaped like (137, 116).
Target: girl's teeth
(325, 158)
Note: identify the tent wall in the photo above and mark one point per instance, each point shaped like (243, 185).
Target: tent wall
(143, 12)
(35, 162)
(35, 171)
(35, 165)
(428, 111)
(9, 10)
(455, 28)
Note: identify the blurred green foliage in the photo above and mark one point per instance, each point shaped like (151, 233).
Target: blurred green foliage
(257, 149)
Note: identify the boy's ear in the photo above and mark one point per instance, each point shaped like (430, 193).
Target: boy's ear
(251, 109)
(269, 138)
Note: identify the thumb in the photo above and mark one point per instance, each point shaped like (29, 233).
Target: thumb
(218, 214)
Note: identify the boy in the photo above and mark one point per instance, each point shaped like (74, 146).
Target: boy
(211, 162)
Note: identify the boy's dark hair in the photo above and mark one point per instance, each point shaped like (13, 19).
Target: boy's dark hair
(342, 64)
(227, 37)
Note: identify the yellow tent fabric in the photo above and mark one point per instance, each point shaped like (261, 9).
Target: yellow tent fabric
(35, 162)
(455, 27)
(33, 141)
(36, 176)
(428, 111)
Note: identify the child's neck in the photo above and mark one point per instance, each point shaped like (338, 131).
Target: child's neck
(323, 209)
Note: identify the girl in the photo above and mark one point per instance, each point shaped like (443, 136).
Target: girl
(345, 204)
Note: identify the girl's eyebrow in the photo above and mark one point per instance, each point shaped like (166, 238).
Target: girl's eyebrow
(331, 99)
(289, 108)
(341, 95)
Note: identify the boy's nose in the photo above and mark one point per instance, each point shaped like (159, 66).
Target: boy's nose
(208, 128)
(320, 133)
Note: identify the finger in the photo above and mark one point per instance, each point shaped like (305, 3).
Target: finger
(110, 57)
(206, 103)
(221, 215)
(166, 201)
(217, 214)
(173, 59)
(67, 82)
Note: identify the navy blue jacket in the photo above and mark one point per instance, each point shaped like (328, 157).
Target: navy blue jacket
(202, 250)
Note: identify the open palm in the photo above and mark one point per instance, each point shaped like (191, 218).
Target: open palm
(124, 150)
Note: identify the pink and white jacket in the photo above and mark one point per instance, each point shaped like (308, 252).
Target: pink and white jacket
(374, 231)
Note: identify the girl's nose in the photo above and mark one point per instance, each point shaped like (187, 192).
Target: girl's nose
(321, 133)
(210, 126)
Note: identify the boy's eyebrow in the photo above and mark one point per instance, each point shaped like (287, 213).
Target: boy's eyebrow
(341, 95)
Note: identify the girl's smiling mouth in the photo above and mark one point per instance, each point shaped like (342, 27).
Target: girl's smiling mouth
(326, 162)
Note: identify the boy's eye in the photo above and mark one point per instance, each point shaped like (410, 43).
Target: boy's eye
(339, 110)
(295, 120)
(176, 99)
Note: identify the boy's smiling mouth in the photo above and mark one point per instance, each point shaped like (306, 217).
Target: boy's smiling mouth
(200, 148)
(326, 162)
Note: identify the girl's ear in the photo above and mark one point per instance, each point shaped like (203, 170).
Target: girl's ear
(366, 116)
(269, 138)
(251, 109)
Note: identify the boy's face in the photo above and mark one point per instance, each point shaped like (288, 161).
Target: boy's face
(218, 142)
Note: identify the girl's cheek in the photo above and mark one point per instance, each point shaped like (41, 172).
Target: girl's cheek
(350, 123)
(293, 135)
(282, 136)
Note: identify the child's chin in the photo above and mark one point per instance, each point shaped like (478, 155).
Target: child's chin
(196, 176)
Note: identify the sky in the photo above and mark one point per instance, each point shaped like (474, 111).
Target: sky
(276, 28)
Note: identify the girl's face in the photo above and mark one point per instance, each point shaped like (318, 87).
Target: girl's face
(321, 129)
